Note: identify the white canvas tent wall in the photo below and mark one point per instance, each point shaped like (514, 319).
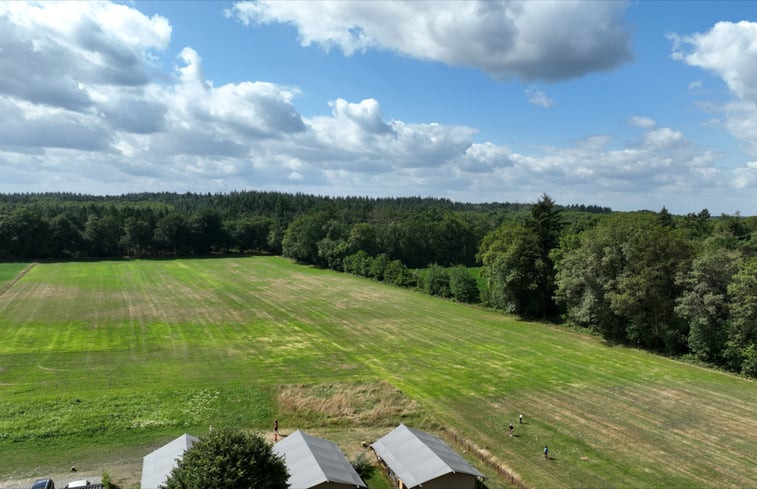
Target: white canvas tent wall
(315, 462)
(157, 465)
(417, 458)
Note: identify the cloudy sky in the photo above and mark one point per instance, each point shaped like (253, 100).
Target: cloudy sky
(634, 105)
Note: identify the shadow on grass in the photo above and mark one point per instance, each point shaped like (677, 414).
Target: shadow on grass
(367, 472)
(375, 478)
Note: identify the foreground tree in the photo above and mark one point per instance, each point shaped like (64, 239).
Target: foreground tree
(546, 222)
(206, 232)
(229, 458)
(437, 281)
(102, 235)
(621, 282)
(517, 262)
(512, 269)
(23, 235)
(462, 285)
(301, 239)
(250, 233)
(137, 237)
(172, 233)
(741, 349)
(65, 238)
(646, 291)
(704, 303)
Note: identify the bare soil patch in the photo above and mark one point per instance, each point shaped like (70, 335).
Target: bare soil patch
(125, 475)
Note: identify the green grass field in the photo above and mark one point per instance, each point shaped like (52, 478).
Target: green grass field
(9, 271)
(100, 362)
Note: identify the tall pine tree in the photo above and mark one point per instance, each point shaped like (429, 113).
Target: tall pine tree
(546, 222)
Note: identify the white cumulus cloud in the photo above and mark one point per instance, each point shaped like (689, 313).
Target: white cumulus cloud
(53, 52)
(95, 126)
(728, 50)
(366, 114)
(546, 40)
(663, 137)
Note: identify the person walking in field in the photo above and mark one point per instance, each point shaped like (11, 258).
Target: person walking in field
(520, 418)
(546, 452)
(511, 429)
(275, 430)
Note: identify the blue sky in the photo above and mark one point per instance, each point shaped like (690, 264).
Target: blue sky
(631, 105)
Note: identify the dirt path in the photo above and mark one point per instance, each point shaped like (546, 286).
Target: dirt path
(125, 476)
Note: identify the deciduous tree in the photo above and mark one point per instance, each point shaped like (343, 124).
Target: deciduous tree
(517, 262)
(511, 267)
(229, 458)
(742, 335)
(463, 285)
(621, 281)
(704, 303)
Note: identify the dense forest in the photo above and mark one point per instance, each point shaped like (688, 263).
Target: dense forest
(417, 231)
(680, 285)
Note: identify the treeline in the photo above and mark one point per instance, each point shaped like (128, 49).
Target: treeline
(415, 230)
(673, 284)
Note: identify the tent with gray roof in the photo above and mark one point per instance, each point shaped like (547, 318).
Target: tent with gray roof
(315, 462)
(415, 458)
(157, 465)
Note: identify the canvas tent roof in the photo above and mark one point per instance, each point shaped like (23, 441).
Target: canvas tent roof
(312, 461)
(157, 465)
(417, 457)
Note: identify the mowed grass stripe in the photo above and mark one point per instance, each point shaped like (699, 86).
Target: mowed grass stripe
(246, 325)
(570, 379)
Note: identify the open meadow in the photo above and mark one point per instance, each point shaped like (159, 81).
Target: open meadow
(100, 362)
(10, 272)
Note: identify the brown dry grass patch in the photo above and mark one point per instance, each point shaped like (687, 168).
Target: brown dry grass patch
(366, 404)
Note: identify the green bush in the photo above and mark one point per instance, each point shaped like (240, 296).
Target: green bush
(437, 281)
(749, 365)
(107, 484)
(229, 458)
(362, 466)
(377, 267)
(358, 263)
(397, 273)
(463, 285)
